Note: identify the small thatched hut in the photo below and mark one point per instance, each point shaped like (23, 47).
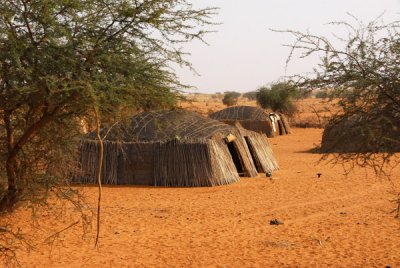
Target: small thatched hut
(175, 148)
(361, 134)
(255, 119)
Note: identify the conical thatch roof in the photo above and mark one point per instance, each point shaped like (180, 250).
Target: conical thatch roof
(241, 113)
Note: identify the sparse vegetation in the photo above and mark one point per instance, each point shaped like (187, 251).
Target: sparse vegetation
(363, 74)
(321, 94)
(73, 75)
(251, 96)
(278, 98)
(231, 98)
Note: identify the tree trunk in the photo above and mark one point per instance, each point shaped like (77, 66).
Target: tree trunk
(99, 168)
(13, 148)
(10, 197)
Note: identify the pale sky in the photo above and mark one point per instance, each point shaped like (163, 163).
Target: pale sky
(244, 54)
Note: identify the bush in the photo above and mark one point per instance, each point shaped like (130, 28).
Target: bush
(321, 94)
(301, 94)
(278, 98)
(252, 95)
(231, 98)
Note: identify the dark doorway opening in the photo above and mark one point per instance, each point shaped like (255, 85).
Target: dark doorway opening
(281, 128)
(253, 155)
(236, 158)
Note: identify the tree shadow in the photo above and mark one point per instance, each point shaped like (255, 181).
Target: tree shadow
(314, 150)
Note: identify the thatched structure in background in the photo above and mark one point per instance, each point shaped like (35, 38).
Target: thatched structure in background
(175, 148)
(255, 119)
(361, 134)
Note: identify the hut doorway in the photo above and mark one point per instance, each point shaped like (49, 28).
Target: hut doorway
(236, 158)
(253, 154)
(281, 128)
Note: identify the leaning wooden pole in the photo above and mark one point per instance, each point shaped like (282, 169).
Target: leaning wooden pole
(101, 155)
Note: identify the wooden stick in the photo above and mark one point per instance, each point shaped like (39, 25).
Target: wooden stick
(101, 155)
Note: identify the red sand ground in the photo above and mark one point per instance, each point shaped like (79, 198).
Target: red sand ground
(337, 220)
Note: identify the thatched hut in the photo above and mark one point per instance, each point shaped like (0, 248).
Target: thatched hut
(361, 134)
(255, 119)
(175, 148)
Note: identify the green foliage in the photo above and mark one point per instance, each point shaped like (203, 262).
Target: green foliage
(322, 94)
(301, 93)
(60, 60)
(252, 95)
(231, 98)
(362, 70)
(278, 97)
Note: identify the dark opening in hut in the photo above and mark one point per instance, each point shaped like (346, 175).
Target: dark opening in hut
(255, 119)
(236, 158)
(172, 148)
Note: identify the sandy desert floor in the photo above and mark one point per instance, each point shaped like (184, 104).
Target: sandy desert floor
(336, 220)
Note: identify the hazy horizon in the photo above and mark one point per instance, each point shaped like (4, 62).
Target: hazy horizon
(245, 54)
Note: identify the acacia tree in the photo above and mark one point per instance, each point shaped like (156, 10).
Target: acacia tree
(62, 59)
(362, 70)
(278, 97)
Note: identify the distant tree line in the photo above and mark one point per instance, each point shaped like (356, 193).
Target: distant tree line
(231, 98)
(251, 95)
(278, 97)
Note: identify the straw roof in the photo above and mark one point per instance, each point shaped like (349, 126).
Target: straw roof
(241, 113)
(255, 119)
(167, 125)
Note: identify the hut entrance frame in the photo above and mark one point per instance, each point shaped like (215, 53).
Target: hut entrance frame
(236, 158)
